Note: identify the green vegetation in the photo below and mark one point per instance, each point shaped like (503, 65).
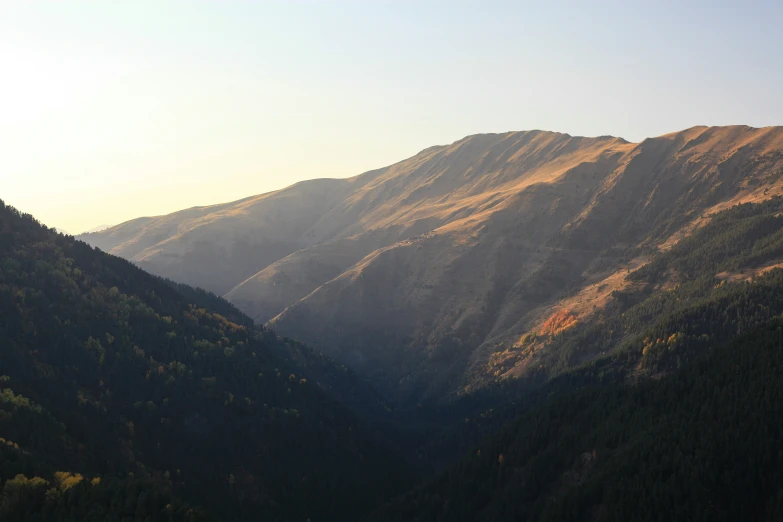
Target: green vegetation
(161, 398)
(741, 237)
(702, 444)
(678, 306)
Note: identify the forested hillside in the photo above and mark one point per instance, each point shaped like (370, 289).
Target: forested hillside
(703, 444)
(123, 396)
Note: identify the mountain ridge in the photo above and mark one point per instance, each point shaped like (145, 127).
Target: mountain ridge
(116, 240)
(459, 248)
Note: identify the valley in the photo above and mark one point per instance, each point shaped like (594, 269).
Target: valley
(531, 354)
(391, 261)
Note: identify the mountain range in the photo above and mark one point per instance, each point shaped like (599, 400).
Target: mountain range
(429, 276)
(523, 326)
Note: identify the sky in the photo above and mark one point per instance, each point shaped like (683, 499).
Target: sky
(116, 110)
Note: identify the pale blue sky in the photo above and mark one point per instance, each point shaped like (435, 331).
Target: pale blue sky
(113, 110)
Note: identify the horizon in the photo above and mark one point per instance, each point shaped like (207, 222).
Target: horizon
(103, 226)
(219, 203)
(120, 111)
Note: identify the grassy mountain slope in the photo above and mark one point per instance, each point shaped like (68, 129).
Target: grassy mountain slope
(424, 274)
(456, 296)
(708, 289)
(667, 426)
(121, 394)
(709, 268)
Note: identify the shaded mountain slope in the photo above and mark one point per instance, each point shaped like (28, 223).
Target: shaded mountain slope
(702, 444)
(122, 379)
(453, 297)
(416, 274)
(710, 288)
(409, 198)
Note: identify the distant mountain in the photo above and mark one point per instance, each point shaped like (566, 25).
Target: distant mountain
(462, 264)
(124, 396)
(99, 228)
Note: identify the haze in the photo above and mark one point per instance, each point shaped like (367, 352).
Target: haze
(109, 111)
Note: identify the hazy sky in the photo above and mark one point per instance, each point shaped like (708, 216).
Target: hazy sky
(112, 110)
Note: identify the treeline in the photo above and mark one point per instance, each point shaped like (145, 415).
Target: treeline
(678, 304)
(740, 237)
(73, 498)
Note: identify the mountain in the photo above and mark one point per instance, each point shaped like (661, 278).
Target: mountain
(99, 228)
(712, 287)
(125, 396)
(444, 272)
(667, 425)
